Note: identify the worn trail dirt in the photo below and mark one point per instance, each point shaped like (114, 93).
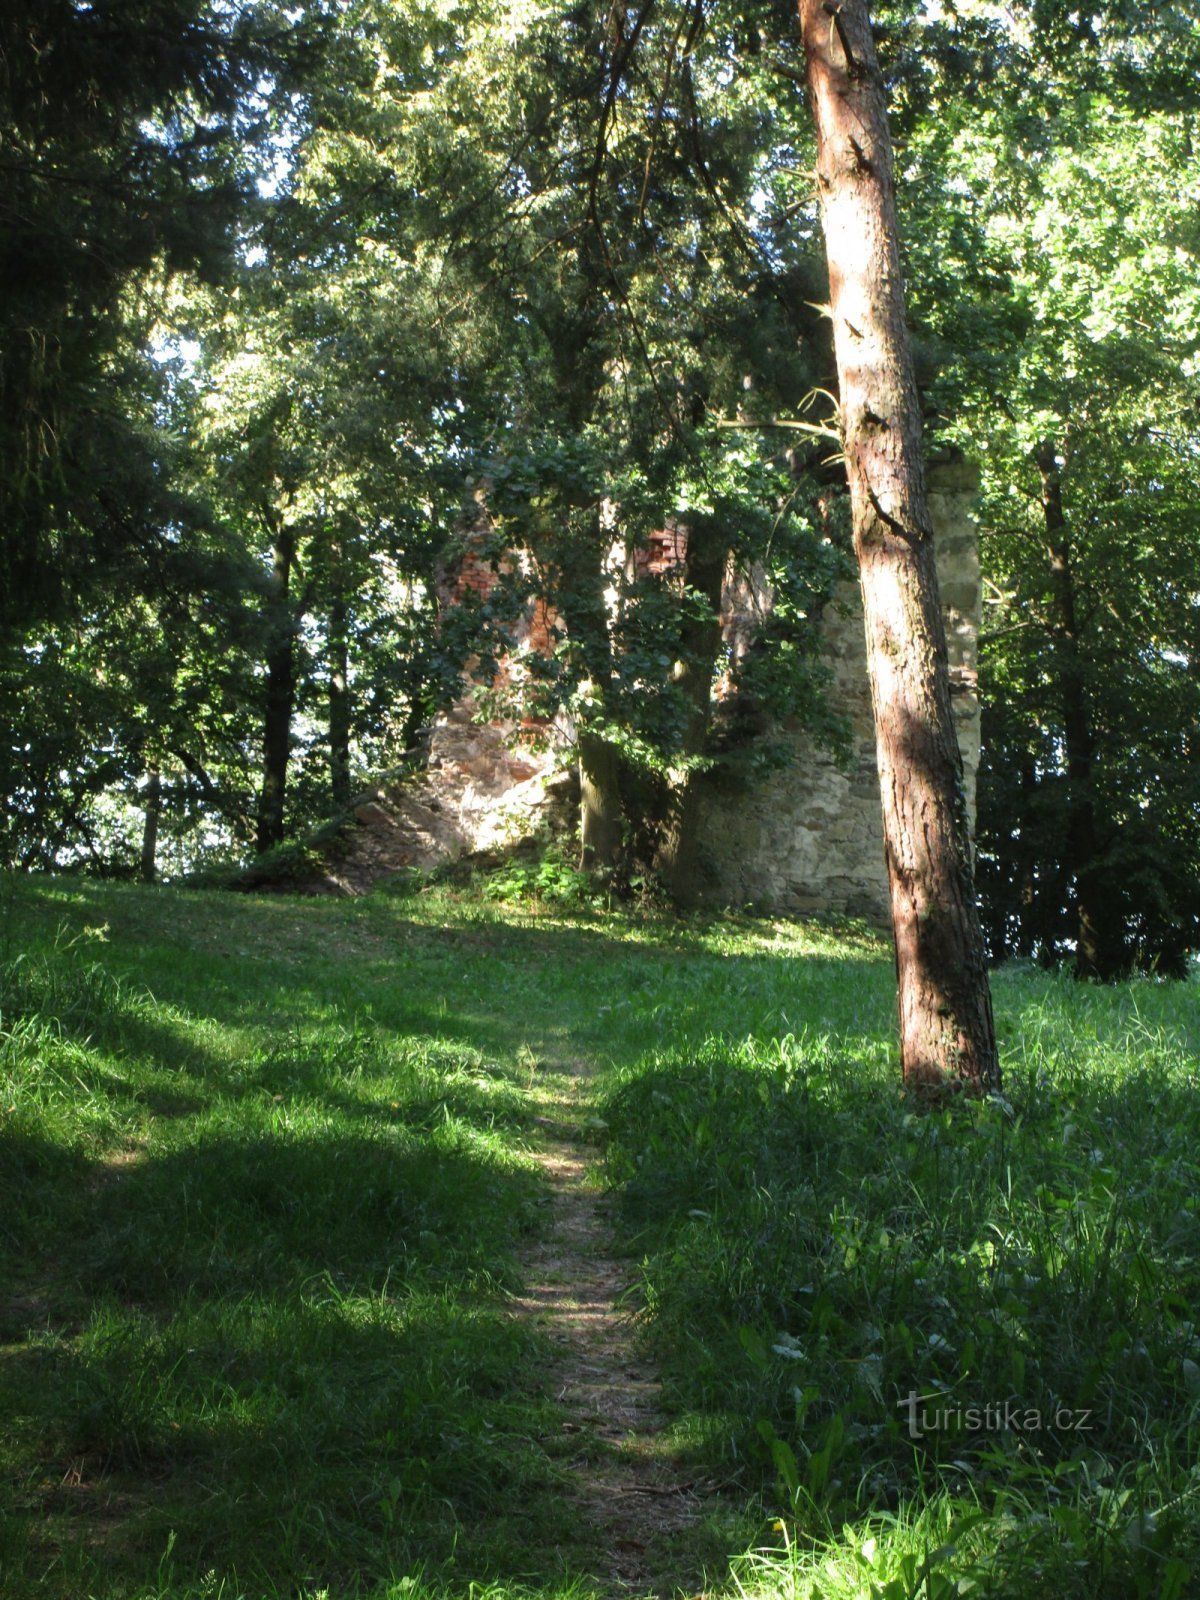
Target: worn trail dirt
(634, 1499)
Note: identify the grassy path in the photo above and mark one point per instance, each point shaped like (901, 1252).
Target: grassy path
(635, 1500)
(274, 1173)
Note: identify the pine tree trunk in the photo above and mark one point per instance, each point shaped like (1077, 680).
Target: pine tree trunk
(339, 703)
(280, 697)
(947, 1036)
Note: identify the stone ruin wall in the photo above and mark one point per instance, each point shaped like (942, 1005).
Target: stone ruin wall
(809, 838)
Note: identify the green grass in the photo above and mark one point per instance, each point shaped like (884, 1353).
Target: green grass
(263, 1193)
(816, 1249)
(266, 1168)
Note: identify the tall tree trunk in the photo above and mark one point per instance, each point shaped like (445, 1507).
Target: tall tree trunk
(1098, 948)
(707, 557)
(416, 690)
(339, 701)
(947, 1036)
(1025, 869)
(600, 814)
(601, 811)
(151, 807)
(280, 696)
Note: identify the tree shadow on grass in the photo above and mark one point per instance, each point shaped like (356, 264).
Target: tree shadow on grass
(277, 1348)
(228, 1215)
(299, 1444)
(562, 992)
(546, 994)
(271, 1341)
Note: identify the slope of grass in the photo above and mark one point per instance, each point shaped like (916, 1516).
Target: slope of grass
(266, 1169)
(262, 1196)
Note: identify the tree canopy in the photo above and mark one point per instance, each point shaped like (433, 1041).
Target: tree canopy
(296, 300)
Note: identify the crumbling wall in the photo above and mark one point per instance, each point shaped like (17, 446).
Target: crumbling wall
(809, 838)
(806, 840)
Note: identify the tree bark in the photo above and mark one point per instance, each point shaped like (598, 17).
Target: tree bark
(1025, 869)
(947, 1036)
(600, 811)
(339, 702)
(151, 807)
(707, 558)
(1098, 947)
(280, 696)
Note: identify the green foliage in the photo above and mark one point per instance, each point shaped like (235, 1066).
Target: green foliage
(629, 641)
(121, 127)
(95, 703)
(1054, 247)
(353, 280)
(547, 881)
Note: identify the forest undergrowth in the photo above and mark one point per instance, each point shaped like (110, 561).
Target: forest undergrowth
(268, 1168)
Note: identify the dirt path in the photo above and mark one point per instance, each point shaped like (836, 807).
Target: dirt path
(634, 1499)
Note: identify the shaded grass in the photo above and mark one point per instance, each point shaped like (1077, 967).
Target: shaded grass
(269, 1167)
(254, 1263)
(816, 1251)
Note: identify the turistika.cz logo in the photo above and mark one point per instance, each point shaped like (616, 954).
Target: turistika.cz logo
(996, 1416)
